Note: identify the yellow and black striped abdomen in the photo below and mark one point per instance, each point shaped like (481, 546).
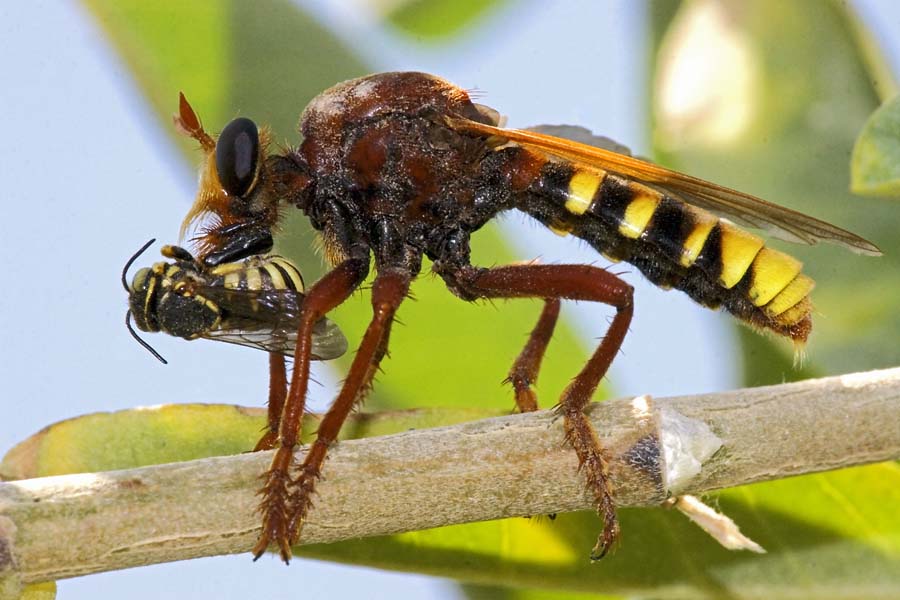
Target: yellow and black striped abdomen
(677, 245)
(259, 273)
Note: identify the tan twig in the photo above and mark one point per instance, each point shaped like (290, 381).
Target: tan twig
(59, 527)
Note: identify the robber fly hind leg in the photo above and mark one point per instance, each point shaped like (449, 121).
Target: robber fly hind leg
(571, 282)
(524, 372)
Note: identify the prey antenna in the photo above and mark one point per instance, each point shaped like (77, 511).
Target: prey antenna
(130, 262)
(131, 330)
(147, 346)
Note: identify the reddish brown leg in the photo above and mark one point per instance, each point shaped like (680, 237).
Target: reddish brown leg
(388, 291)
(524, 371)
(277, 394)
(322, 297)
(573, 282)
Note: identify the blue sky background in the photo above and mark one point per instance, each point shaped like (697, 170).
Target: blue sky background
(88, 177)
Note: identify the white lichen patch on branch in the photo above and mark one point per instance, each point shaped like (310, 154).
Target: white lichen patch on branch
(687, 443)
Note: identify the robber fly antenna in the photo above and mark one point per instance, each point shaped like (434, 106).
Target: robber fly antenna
(134, 334)
(130, 262)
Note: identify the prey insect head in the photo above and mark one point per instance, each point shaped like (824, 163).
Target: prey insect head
(137, 296)
(168, 297)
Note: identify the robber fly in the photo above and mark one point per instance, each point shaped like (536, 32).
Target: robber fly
(252, 302)
(398, 166)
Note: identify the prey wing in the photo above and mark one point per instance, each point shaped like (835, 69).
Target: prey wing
(268, 320)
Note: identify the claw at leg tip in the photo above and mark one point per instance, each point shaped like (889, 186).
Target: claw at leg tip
(603, 547)
(597, 555)
(285, 557)
(258, 551)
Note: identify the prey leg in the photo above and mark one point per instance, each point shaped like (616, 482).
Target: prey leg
(572, 282)
(388, 291)
(327, 293)
(524, 371)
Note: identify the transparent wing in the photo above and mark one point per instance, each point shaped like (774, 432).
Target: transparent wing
(328, 340)
(583, 135)
(737, 206)
(268, 320)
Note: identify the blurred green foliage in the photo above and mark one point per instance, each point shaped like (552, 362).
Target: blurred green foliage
(805, 96)
(875, 167)
(787, 116)
(432, 20)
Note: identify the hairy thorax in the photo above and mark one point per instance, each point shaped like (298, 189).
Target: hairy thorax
(380, 146)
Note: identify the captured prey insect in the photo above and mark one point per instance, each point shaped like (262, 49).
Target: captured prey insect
(252, 302)
(399, 166)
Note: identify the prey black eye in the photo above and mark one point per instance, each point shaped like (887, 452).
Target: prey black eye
(237, 155)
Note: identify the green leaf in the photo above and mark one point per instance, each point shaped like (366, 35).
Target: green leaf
(432, 20)
(228, 57)
(168, 433)
(875, 166)
(493, 592)
(39, 591)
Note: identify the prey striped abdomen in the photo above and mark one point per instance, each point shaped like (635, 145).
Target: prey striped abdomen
(259, 273)
(677, 245)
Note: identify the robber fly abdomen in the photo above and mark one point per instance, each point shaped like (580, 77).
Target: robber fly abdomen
(674, 244)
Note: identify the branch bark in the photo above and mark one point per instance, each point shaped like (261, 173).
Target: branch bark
(490, 469)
